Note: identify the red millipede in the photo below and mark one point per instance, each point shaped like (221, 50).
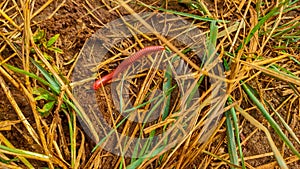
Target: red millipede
(126, 63)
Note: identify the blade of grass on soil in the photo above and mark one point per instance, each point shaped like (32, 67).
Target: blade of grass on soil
(32, 75)
(232, 130)
(145, 149)
(277, 155)
(49, 78)
(139, 161)
(269, 118)
(8, 144)
(25, 153)
(255, 93)
(261, 22)
(196, 17)
(53, 84)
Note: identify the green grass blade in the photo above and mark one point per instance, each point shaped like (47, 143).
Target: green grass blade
(255, 93)
(237, 133)
(281, 162)
(139, 161)
(146, 147)
(282, 32)
(295, 60)
(26, 153)
(196, 17)
(283, 122)
(135, 151)
(32, 75)
(261, 22)
(52, 40)
(213, 36)
(73, 142)
(53, 88)
(278, 69)
(231, 140)
(49, 78)
(220, 158)
(166, 86)
(22, 159)
(149, 101)
(55, 85)
(269, 118)
(110, 133)
(212, 42)
(231, 114)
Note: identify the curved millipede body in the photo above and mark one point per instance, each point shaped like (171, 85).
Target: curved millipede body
(125, 64)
